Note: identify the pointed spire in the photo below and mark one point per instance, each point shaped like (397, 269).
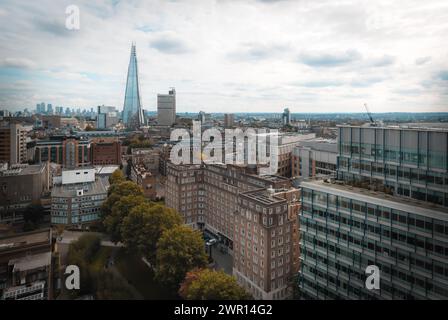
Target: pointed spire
(132, 111)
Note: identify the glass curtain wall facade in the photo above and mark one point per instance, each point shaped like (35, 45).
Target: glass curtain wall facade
(132, 111)
(408, 162)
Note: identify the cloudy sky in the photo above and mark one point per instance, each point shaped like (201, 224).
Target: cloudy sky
(229, 56)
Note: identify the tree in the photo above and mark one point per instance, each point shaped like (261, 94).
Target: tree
(179, 250)
(116, 177)
(120, 210)
(110, 287)
(81, 254)
(206, 284)
(116, 191)
(144, 225)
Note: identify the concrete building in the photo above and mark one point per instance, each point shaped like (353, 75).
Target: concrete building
(107, 117)
(26, 266)
(229, 120)
(286, 144)
(51, 121)
(21, 186)
(12, 143)
(166, 108)
(76, 199)
(286, 117)
(314, 157)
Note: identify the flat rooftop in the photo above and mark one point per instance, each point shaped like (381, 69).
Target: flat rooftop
(436, 126)
(24, 239)
(263, 196)
(31, 262)
(90, 188)
(21, 170)
(395, 202)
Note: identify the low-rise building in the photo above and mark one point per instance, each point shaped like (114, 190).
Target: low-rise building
(20, 186)
(314, 157)
(76, 200)
(26, 266)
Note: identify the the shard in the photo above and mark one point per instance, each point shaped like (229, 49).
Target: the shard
(132, 110)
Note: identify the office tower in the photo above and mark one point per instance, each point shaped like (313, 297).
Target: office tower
(286, 117)
(77, 198)
(12, 143)
(410, 162)
(132, 110)
(315, 157)
(107, 117)
(49, 108)
(166, 108)
(388, 209)
(229, 120)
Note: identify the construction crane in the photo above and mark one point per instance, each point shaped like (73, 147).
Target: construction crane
(369, 114)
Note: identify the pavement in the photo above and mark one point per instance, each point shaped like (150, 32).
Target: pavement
(223, 261)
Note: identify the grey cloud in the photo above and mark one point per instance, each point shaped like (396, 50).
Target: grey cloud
(422, 60)
(169, 44)
(365, 82)
(384, 61)
(331, 59)
(257, 51)
(318, 83)
(17, 63)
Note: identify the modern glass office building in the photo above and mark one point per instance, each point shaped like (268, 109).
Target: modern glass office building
(132, 110)
(345, 229)
(387, 208)
(410, 162)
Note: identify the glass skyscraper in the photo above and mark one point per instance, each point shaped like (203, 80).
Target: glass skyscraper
(132, 111)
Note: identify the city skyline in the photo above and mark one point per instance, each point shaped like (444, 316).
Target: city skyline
(309, 57)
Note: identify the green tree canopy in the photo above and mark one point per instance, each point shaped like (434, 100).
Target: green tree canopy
(120, 210)
(206, 284)
(116, 177)
(81, 253)
(179, 250)
(116, 191)
(145, 224)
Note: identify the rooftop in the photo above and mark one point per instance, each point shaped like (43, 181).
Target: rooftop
(24, 239)
(99, 186)
(436, 126)
(23, 169)
(395, 202)
(31, 262)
